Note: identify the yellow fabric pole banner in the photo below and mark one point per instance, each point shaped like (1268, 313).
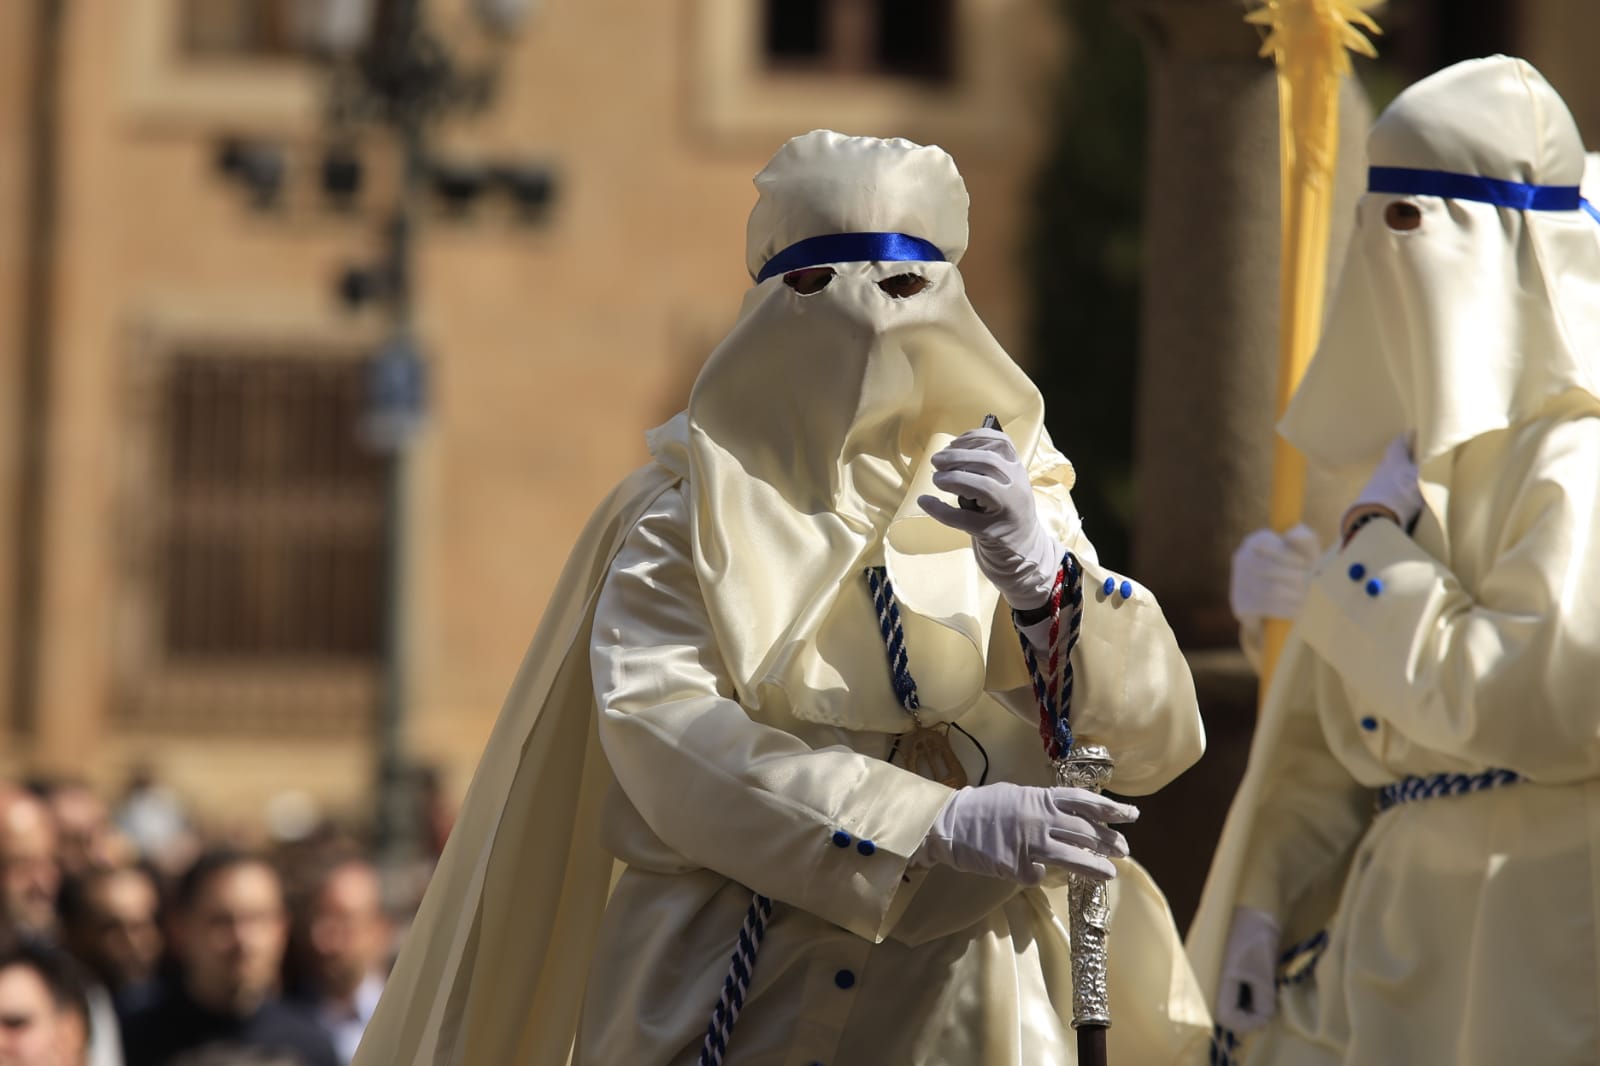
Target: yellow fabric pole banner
(1311, 42)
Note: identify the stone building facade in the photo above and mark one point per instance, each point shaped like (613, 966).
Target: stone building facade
(191, 535)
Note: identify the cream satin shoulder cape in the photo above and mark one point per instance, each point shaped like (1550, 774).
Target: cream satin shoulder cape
(511, 912)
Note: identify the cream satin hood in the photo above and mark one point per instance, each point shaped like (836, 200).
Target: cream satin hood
(808, 432)
(1479, 317)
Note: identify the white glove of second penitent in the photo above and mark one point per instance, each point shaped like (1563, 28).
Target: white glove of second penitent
(1270, 574)
(1247, 995)
(1393, 487)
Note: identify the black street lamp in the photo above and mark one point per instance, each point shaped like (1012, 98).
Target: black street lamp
(393, 73)
(389, 72)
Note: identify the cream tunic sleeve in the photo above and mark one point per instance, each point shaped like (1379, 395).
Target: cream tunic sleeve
(1503, 671)
(827, 830)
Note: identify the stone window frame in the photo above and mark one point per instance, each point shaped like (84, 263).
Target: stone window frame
(164, 87)
(275, 23)
(153, 693)
(736, 98)
(850, 42)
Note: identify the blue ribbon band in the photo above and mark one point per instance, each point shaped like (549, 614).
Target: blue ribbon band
(1406, 181)
(851, 248)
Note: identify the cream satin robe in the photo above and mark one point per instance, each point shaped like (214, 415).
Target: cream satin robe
(1469, 928)
(1462, 930)
(708, 698)
(865, 960)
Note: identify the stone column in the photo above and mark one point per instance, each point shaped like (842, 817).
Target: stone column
(1208, 364)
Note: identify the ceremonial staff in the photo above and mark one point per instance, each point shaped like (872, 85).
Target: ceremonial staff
(1089, 914)
(1077, 765)
(1310, 41)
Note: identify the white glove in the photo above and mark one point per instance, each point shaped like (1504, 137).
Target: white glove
(1247, 996)
(1014, 551)
(1393, 485)
(1027, 834)
(1270, 574)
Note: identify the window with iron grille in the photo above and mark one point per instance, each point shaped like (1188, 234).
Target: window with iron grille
(894, 38)
(273, 545)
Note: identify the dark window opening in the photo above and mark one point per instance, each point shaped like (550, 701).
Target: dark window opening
(914, 38)
(796, 29)
(873, 38)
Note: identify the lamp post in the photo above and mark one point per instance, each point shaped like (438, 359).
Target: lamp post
(391, 74)
(390, 71)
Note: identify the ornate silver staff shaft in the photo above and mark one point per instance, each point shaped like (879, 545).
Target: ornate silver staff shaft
(1088, 766)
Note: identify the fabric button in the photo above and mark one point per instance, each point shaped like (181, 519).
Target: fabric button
(1374, 587)
(866, 847)
(1369, 723)
(1357, 571)
(841, 839)
(844, 979)
(1126, 589)
(1110, 586)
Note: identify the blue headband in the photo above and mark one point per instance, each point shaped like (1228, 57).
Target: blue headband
(851, 248)
(1406, 181)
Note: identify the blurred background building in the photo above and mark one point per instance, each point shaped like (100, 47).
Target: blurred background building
(193, 532)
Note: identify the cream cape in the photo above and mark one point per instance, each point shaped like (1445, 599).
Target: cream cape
(1461, 930)
(491, 967)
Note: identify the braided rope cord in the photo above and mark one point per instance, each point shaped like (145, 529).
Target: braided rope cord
(1411, 789)
(1224, 1042)
(737, 984)
(1052, 681)
(894, 638)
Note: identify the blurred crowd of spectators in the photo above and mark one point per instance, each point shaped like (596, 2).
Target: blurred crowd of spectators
(129, 939)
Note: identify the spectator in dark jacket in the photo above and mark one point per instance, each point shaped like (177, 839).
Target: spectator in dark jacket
(228, 931)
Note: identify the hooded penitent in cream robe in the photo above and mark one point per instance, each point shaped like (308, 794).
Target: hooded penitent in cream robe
(1462, 929)
(708, 701)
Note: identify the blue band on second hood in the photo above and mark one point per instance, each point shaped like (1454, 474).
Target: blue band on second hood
(851, 248)
(1406, 181)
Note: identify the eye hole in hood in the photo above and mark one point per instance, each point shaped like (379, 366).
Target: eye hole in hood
(810, 281)
(903, 286)
(1402, 216)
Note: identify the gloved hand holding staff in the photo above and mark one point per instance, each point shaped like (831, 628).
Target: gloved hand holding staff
(1040, 582)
